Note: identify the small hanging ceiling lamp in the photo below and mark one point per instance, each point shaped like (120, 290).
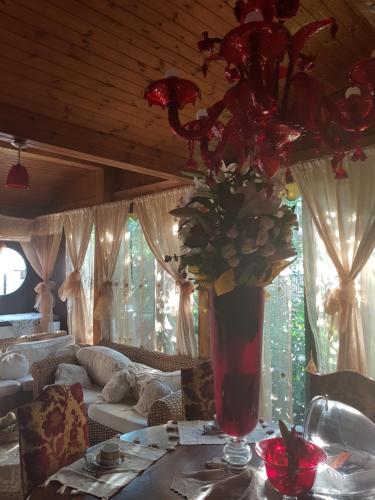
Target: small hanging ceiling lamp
(18, 178)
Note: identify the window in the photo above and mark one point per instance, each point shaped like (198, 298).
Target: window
(145, 296)
(12, 270)
(284, 338)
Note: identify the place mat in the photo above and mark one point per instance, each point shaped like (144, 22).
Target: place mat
(139, 458)
(10, 473)
(219, 484)
(191, 432)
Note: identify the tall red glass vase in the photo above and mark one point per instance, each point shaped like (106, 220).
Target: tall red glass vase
(236, 324)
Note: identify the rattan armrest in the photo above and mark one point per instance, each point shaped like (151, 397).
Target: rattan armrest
(168, 408)
(43, 372)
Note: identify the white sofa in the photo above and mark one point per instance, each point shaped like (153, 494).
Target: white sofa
(19, 390)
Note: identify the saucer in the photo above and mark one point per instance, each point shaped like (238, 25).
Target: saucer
(95, 460)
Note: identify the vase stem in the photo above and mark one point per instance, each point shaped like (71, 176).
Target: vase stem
(237, 453)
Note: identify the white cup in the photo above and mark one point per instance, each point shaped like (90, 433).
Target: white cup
(109, 454)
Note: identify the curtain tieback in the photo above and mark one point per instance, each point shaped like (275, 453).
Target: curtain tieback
(186, 286)
(44, 299)
(71, 286)
(337, 299)
(104, 306)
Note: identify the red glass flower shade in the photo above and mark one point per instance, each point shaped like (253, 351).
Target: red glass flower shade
(264, 118)
(17, 178)
(172, 90)
(287, 478)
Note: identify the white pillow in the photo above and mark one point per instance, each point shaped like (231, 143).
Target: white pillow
(119, 386)
(13, 365)
(101, 362)
(67, 374)
(151, 390)
(170, 379)
(41, 349)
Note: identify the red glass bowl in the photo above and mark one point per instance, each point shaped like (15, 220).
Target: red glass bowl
(288, 481)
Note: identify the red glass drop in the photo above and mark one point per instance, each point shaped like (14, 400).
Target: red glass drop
(236, 322)
(290, 480)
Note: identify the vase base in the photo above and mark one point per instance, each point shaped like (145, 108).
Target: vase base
(236, 454)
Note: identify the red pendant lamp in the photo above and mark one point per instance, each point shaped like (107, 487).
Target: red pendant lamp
(18, 178)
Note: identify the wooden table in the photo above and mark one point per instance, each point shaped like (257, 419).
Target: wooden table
(154, 483)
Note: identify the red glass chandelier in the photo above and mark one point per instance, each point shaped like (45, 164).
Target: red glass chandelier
(17, 177)
(274, 100)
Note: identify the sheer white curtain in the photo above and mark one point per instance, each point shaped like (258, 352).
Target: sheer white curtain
(160, 230)
(78, 226)
(343, 213)
(15, 229)
(145, 296)
(110, 225)
(41, 251)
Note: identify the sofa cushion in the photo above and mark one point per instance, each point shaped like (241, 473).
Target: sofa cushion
(36, 351)
(9, 387)
(13, 365)
(92, 395)
(101, 362)
(151, 390)
(170, 379)
(27, 383)
(67, 374)
(120, 417)
(119, 386)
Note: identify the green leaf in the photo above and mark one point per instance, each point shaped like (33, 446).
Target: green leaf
(284, 431)
(194, 174)
(185, 212)
(206, 202)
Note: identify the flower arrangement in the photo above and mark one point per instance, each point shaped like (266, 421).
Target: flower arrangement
(235, 230)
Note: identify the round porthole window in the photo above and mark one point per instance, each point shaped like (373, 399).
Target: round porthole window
(12, 270)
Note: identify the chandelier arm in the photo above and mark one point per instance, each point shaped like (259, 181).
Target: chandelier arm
(205, 125)
(210, 156)
(288, 83)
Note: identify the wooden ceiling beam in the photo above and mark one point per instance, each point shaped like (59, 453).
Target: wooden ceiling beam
(33, 154)
(58, 138)
(155, 187)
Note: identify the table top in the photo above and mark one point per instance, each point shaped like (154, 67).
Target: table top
(155, 481)
(9, 318)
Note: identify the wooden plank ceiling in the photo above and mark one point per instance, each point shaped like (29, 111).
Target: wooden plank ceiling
(74, 72)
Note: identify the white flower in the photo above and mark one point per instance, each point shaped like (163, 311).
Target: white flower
(262, 237)
(228, 251)
(232, 167)
(201, 187)
(232, 233)
(248, 246)
(266, 222)
(268, 250)
(234, 261)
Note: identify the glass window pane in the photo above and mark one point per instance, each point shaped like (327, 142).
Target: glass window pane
(12, 271)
